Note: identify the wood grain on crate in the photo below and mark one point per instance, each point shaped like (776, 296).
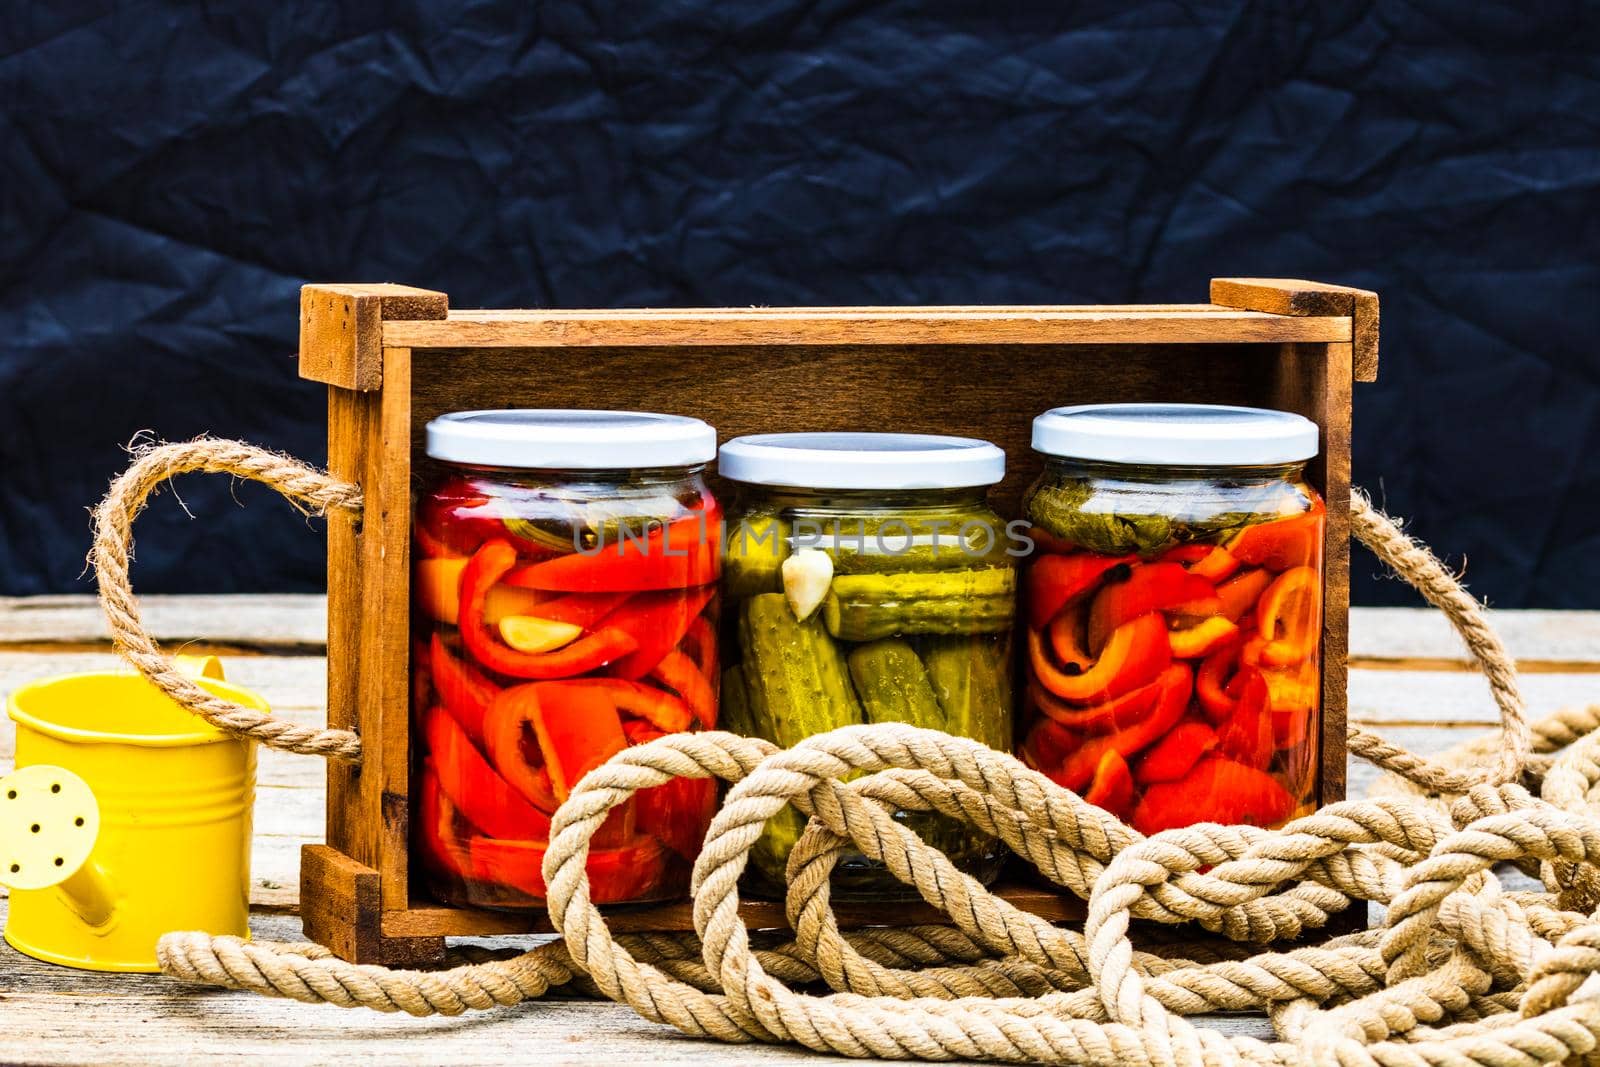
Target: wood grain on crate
(718, 327)
(77, 1016)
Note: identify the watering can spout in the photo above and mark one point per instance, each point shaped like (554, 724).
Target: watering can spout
(49, 822)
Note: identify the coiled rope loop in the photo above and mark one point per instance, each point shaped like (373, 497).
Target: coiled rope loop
(1462, 971)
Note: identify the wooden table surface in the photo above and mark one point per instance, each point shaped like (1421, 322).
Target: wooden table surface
(1409, 677)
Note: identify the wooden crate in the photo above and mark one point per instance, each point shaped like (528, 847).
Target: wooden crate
(394, 357)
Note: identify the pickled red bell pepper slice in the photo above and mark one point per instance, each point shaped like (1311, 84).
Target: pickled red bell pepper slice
(680, 555)
(1045, 541)
(1290, 616)
(1239, 593)
(1191, 642)
(1247, 736)
(477, 790)
(436, 824)
(1114, 714)
(657, 622)
(429, 546)
(1048, 744)
(640, 731)
(1076, 770)
(488, 565)
(1066, 641)
(1211, 680)
(1054, 580)
(1188, 555)
(503, 731)
(1112, 788)
(667, 713)
(580, 609)
(1292, 694)
(1176, 754)
(1216, 790)
(465, 692)
(1216, 565)
(578, 729)
(1211, 562)
(1282, 543)
(1135, 654)
(704, 643)
(1150, 587)
(458, 517)
(677, 813)
(683, 674)
(615, 874)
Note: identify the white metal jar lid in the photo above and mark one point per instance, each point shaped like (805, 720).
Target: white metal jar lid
(557, 438)
(861, 461)
(1198, 435)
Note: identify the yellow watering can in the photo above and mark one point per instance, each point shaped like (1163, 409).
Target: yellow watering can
(127, 817)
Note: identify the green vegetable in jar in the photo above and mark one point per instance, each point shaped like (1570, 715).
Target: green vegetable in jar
(1130, 518)
(866, 607)
(971, 678)
(893, 684)
(796, 677)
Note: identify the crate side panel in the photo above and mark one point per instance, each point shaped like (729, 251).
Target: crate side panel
(369, 624)
(1315, 380)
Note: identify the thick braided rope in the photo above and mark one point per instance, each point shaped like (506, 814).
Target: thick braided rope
(1421, 568)
(1430, 988)
(313, 490)
(1053, 1024)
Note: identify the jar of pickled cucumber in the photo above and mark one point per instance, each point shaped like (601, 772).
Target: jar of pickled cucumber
(564, 607)
(867, 580)
(1173, 612)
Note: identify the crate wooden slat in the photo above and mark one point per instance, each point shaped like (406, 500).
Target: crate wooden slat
(394, 358)
(826, 326)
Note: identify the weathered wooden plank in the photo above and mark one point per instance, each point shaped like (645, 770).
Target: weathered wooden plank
(85, 1017)
(292, 685)
(295, 623)
(292, 622)
(1441, 697)
(1548, 637)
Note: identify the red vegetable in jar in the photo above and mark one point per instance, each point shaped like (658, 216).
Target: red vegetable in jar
(565, 607)
(1174, 612)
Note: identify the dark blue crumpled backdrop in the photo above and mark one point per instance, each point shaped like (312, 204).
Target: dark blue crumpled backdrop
(173, 172)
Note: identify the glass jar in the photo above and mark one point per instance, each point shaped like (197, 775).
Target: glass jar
(564, 607)
(867, 581)
(1173, 613)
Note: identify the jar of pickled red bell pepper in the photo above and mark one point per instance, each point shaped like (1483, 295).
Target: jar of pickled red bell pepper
(867, 581)
(1173, 612)
(565, 607)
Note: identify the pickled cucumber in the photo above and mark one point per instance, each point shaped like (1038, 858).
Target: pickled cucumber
(935, 539)
(770, 853)
(893, 685)
(734, 703)
(866, 607)
(795, 675)
(753, 558)
(971, 678)
(795, 684)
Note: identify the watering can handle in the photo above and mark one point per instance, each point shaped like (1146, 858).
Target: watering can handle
(310, 489)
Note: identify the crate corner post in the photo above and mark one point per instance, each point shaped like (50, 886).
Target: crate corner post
(362, 872)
